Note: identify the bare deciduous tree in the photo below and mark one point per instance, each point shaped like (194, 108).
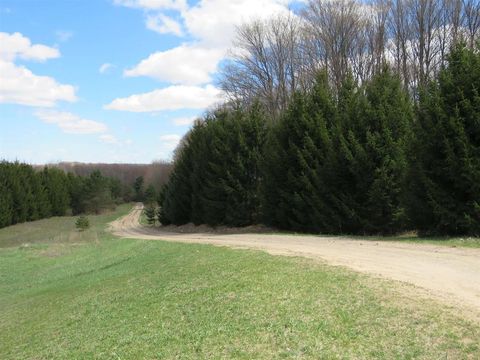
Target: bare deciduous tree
(274, 58)
(265, 63)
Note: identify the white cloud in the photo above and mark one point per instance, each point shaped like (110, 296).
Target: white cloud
(18, 85)
(153, 4)
(184, 121)
(185, 64)
(164, 24)
(213, 22)
(71, 123)
(16, 45)
(104, 68)
(171, 98)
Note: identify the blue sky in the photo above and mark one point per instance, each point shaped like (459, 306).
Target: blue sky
(111, 80)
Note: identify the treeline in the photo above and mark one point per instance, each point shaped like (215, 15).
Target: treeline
(276, 57)
(156, 173)
(360, 158)
(27, 194)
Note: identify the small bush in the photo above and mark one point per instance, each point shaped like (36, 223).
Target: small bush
(82, 223)
(151, 214)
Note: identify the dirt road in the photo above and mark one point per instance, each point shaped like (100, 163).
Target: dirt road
(447, 273)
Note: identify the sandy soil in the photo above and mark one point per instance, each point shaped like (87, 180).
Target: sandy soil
(447, 273)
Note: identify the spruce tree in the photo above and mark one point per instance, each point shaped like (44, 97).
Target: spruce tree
(150, 195)
(294, 188)
(389, 118)
(98, 196)
(55, 182)
(150, 213)
(138, 186)
(76, 192)
(176, 195)
(6, 201)
(243, 176)
(445, 188)
(347, 163)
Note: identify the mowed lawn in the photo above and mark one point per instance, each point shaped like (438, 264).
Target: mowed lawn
(82, 296)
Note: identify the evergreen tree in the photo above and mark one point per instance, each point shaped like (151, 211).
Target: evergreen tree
(445, 171)
(348, 162)
(150, 195)
(175, 196)
(43, 205)
(151, 214)
(98, 195)
(82, 223)
(212, 160)
(116, 189)
(55, 183)
(76, 192)
(243, 175)
(389, 118)
(6, 200)
(138, 187)
(216, 175)
(296, 156)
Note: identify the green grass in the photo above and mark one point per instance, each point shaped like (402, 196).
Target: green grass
(58, 230)
(468, 242)
(109, 298)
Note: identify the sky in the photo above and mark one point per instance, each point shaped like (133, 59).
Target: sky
(112, 80)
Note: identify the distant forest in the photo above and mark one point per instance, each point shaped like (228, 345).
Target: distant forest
(30, 193)
(350, 118)
(156, 173)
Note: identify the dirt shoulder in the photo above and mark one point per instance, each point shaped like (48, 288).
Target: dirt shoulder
(449, 274)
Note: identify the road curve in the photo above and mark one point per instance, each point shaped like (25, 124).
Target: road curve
(447, 273)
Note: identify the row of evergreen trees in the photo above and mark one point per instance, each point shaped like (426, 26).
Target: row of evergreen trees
(27, 195)
(216, 175)
(366, 160)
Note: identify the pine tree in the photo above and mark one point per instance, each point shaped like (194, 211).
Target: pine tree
(176, 195)
(6, 201)
(76, 192)
(150, 195)
(347, 164)
(151, 214)
(82, 223)
(294, 188)
(216, 175)
(55, 183)
(243, 177)
(98, 195)
(138, 187)
(389, 118)
(445, 191)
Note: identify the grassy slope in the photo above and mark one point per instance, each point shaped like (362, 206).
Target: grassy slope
(110, 298)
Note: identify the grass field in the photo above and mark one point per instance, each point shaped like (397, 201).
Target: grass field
(71, 296)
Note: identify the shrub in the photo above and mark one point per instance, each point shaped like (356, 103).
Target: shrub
(82, 223)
